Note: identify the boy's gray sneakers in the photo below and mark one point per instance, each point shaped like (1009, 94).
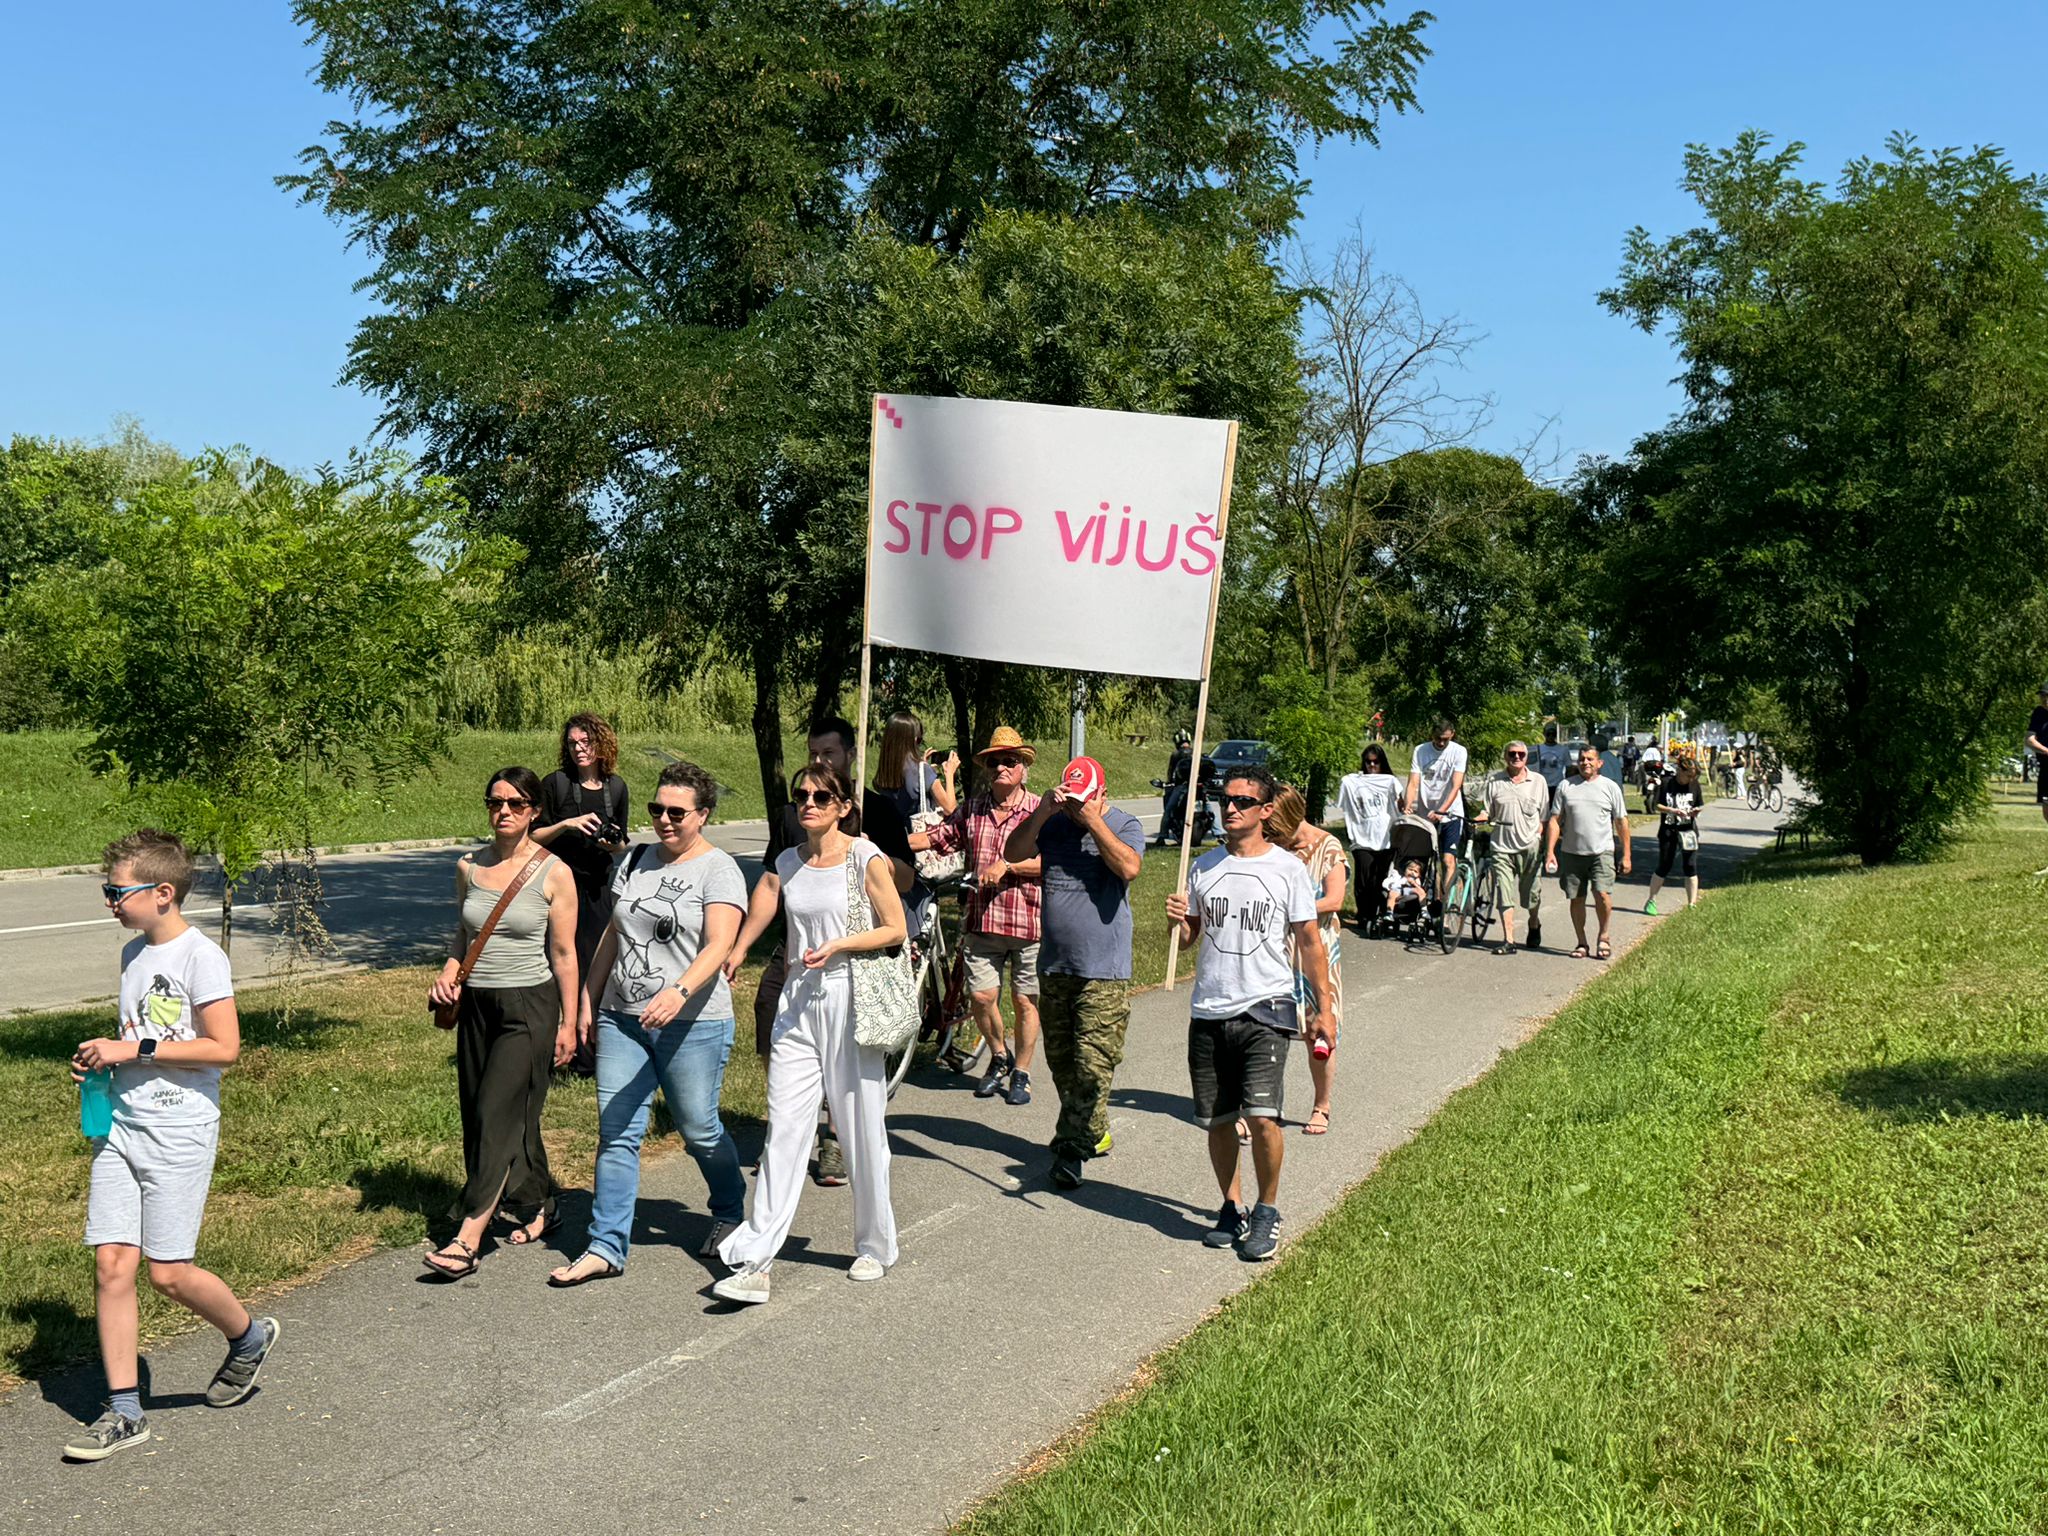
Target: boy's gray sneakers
(236, 1378)
(1229, 1226)
(108, 1433)
(1261, 1234)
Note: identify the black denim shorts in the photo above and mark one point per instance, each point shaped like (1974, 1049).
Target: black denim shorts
(1237, 1068)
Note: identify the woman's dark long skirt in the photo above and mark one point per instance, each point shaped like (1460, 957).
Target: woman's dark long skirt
(504, 1051)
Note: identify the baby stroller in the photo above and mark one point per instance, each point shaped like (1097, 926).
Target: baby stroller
(1414, 837)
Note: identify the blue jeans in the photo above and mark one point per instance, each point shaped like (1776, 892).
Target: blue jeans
(688, 1060)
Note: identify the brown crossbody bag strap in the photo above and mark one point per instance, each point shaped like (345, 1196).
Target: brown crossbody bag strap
(445, 1014)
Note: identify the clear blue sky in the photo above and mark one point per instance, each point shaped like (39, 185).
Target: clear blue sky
(148, 267)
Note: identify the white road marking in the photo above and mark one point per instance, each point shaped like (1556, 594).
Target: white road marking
(95, 922)
(704, 1345)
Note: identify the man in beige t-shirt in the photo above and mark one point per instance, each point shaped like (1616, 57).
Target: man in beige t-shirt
(1516, 801)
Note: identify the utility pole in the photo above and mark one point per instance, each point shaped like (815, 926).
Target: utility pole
(1077, 730)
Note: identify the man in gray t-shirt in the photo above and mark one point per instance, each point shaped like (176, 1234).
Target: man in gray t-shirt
(1090, 852)
(1588, 821)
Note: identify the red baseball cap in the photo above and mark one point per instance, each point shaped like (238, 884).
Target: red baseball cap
(1084, 778)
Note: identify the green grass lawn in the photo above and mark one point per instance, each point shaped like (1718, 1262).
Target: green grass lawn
(59, 813)
(340, 1134)
(1749, 1239)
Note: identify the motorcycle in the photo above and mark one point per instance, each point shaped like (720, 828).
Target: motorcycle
(1176, 809)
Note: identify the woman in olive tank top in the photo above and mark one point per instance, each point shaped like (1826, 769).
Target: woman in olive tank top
(516, 1020)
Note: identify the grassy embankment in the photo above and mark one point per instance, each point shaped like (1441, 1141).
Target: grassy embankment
(58, 813)
(340, 1135)
(1749, 1239)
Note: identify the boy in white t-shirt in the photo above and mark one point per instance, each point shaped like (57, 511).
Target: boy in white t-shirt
(178, 1028)
(1243, 901)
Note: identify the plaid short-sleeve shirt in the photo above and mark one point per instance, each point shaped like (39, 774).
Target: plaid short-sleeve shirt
(1008, 909)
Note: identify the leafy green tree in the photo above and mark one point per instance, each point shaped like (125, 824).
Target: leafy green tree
(1850, 509)
(53, 496)
(248, 636)
(1463, 617)
(586, 221)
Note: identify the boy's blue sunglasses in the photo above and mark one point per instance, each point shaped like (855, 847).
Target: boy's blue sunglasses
(116, 892)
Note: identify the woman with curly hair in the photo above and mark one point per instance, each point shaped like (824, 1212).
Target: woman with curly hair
(583, 822)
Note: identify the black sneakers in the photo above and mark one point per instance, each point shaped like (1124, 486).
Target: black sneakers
(1261, 1234)
(1066, 1171)
(1020, 1087)
(1229, 1226)
(991, 1082)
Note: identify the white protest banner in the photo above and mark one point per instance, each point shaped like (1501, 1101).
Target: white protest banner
(1046, 534)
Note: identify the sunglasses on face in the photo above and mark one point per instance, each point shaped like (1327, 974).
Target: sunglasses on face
(1242, 802)
(817, 797)
(656, 811)
(119, 893)
(1513, 755)
(1007, 760)
(507, 803)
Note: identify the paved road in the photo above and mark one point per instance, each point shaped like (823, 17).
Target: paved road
(497, 1405)
(59, 948)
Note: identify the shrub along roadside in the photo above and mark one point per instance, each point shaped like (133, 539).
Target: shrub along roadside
(1744, 1241)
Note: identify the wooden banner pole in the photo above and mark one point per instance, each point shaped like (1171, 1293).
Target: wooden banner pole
(1187, 825)
(867, 613)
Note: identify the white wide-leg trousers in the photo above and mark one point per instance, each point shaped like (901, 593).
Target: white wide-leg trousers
(812, 1058)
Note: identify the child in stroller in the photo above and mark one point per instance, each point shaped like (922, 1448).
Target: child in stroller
(1413, 909)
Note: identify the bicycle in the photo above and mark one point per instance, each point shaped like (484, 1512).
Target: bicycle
(1473, 899)
(941, 990)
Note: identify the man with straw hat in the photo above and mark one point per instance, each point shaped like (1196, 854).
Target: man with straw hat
(1002, 909)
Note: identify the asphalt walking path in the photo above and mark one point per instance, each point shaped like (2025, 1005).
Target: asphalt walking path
(498, 1405)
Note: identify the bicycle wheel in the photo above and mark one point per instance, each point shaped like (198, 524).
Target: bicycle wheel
(1777, 800)
(1445, 939)
(1485, 897)
(1458, 910)
(1756, 797)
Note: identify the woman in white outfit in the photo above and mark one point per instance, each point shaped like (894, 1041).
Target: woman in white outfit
(811, 1052)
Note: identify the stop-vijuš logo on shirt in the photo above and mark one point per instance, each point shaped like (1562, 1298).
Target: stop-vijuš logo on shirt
(1241, 913)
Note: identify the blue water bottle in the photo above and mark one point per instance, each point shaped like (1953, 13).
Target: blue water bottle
(96, 1103)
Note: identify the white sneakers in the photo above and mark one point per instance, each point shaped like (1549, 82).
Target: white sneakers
(746, 1284)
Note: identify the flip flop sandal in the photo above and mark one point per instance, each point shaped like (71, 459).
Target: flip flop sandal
(604, 1271)
(520, 1237)
(1318, 1123)
(463, 1268)
(1503, 948)
(1605, 951)
(1582, 953)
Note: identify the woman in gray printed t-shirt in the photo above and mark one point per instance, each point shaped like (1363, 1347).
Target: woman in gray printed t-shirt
(660, 1010)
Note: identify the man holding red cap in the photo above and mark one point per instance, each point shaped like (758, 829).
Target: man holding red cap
(1088, 852)
(1002, 910)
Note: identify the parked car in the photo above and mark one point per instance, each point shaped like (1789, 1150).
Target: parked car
(1235, 754)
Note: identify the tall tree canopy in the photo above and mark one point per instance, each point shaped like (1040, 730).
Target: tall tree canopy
(589, 221)
(1852, 508)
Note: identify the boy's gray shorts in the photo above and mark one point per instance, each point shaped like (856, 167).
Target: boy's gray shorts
(149, 1186)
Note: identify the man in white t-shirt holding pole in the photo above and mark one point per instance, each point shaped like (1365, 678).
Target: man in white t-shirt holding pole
(1436, 783)
(1244, 901)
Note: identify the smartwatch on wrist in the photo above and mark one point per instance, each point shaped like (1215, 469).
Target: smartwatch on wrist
(145, 1049)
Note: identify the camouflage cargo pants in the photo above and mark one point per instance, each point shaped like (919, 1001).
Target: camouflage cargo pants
(1083, 1022)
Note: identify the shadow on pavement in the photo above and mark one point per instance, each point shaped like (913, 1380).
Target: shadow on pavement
(1937, 1088)
(1028, 1164)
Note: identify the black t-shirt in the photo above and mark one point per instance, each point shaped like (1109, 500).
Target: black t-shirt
(1669, 792)
(562, 797)
(880, 823)
(2037, 727)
